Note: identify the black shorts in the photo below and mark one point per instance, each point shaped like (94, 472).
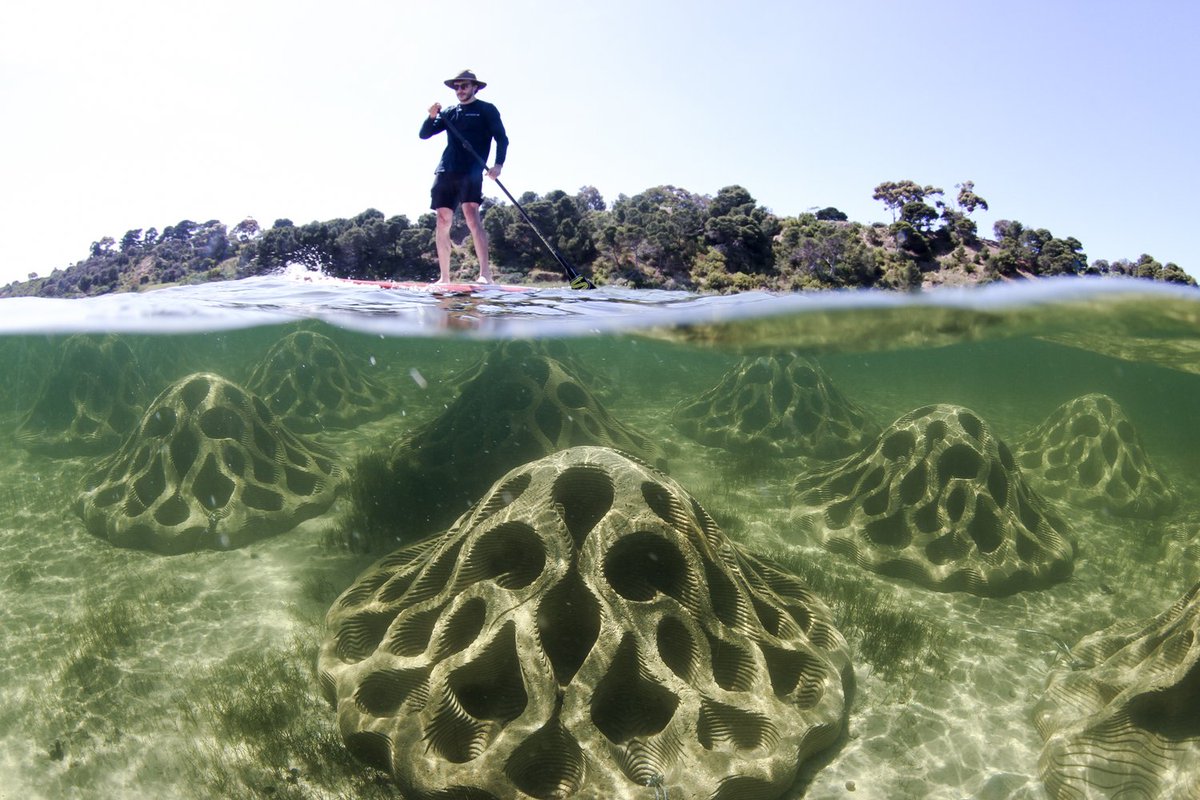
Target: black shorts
(452, 188)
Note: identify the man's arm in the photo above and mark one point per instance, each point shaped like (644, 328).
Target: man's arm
(497, 130)
(433, 124)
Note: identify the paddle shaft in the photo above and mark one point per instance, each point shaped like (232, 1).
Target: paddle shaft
(576, 280)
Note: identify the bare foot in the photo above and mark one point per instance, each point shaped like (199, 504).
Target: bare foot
(484, 279)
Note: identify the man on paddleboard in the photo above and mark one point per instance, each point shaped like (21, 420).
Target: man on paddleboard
(459, 175)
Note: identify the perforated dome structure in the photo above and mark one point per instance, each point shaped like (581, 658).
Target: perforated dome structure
(209, 467)
(557, 350)
(938, 499)
(585, 631)
(781, 404)
(1124, 719)
(94, 397)
(519, 407)
(309, 385)
(1089, 454)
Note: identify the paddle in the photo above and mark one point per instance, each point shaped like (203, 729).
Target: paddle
(576, 280)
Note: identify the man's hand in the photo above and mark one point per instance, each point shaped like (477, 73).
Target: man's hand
(434, 110)
(494, 172)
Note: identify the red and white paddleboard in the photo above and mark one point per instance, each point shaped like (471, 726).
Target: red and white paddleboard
(441, 288)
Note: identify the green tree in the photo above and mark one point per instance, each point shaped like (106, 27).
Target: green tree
(812, 253)
(898, 194)
(741, 231)
(653, 238)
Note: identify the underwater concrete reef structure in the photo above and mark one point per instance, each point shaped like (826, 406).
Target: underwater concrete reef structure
(518, 405)
(208, 467)
(1089, 454)
(782, 405)
(938, 499)
(93, 397)
(307, 382)
(585, 631)
(1123, 720)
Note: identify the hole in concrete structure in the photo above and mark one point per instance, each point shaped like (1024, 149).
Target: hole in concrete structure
(491, 687)
(510, 554)
(898, 445)
(300, 482)
(677, 648)
(371, 748)
(568, 624)
(221, 423)
(985, 527)
(359, 635)
(382, 693)
(790, 670)
(728, 603)
(461, 628)
(722, 726)
(585, 495)
(642, 564)
(506, 495)
(184, 449)
(549, 421)
(626, 703)
(194, 392)
(256, 497)
(889, 532)
(410, 634)
(571, 395)
(548, 765)
(971, 424)
(946, 549)
(732, 665)
(997, 481)
(151, 484)
(160, 423)
(173, 511)
(958, 461)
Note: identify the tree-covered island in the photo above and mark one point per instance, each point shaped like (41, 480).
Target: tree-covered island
(664, 237)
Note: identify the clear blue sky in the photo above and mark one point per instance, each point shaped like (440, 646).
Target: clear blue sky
(1072, 115)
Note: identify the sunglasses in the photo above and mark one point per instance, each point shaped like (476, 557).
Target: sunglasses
(462, 85)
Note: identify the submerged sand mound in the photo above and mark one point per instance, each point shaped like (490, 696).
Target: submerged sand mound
(782, 405)
(1124, 719)
(585, 631)
(1089, 454)
(209, 467)
(309, 385)
(938, 499)
(91, 400)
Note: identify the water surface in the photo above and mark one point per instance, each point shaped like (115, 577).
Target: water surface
(127, 673)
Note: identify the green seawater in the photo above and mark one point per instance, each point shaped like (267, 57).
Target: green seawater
(126, 673)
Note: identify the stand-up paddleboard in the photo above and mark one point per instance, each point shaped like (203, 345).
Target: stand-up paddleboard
(440, 288)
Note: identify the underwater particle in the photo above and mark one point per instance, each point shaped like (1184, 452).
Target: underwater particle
(783, 405)
(584, 631)
(938, 500)
(309, 385)
(1089, 454)
(208, 467)
(1124, 719)
(519, 405)
(91, 400)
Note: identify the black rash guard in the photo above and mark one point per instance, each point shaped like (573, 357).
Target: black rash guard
(479, 123)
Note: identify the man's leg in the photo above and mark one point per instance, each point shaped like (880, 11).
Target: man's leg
(479, 237)
(445, 216)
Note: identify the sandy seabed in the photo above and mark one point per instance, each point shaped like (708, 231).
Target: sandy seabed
(119, 668)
